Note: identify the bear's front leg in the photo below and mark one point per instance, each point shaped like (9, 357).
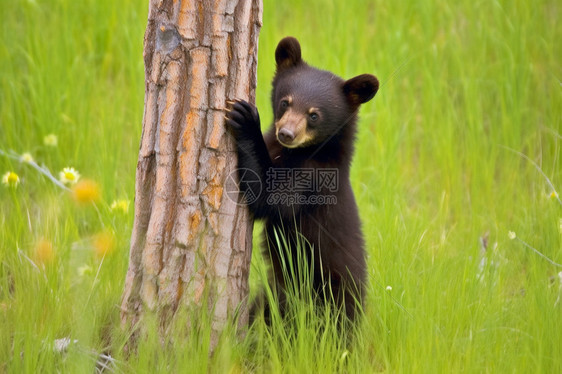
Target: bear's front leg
(244, 121)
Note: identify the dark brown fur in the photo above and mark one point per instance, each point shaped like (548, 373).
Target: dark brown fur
(332, 232)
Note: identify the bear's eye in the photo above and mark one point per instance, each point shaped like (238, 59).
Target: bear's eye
(284, 104)
(313, 116)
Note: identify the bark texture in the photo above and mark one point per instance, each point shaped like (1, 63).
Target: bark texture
(191, 244)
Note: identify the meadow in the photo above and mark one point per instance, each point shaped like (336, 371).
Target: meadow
(457, 173)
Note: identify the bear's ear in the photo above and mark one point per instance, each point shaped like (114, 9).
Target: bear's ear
(361, 89)
(288, 53)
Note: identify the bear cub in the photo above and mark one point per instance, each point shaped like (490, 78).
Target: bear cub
(302, 164)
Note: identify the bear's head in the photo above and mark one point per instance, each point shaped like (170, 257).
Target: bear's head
(312, 105)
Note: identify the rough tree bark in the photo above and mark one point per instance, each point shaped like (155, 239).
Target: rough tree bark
(191, 244)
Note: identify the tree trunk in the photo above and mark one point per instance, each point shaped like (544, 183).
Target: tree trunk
(191, 244)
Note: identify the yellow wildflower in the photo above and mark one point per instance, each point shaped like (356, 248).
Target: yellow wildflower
(511, 235)
(10, 179)
(44, 253)
(51, 140)
(86, 191)
(104, 243)
(122, 205)
(69, 176)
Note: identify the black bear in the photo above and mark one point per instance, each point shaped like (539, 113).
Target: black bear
(303, 162)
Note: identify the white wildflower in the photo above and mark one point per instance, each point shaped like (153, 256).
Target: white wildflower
(51, 140)
(83, 270)
(69, 176)
(26, 157)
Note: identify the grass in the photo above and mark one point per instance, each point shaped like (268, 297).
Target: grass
(464, 86)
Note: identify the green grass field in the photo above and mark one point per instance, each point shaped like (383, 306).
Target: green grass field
(461, 146)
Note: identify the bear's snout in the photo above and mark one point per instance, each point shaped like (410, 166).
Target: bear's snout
(286, 136)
